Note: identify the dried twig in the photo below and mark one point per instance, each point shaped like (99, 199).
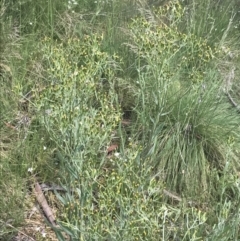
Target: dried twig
(228, 85)
(53, 187)
(43, 203)
(231, 100)
(171, 195)
(126, 122)
(176, 197)
(112, 148)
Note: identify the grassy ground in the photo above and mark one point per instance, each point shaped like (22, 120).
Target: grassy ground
(157, 82)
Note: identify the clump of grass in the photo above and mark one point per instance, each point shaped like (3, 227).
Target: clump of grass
(185, 129)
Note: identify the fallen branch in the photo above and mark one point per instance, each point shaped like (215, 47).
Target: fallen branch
(112, 148)
(171, 195)
(176, 197)
(232, 101)
(43, 203)
(53, 187)
(228, 86)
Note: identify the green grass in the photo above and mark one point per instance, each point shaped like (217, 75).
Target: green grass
(71, 72)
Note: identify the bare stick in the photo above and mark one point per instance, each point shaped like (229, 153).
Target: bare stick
(43, 203)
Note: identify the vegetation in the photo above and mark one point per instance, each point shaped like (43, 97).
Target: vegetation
(131, 107)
